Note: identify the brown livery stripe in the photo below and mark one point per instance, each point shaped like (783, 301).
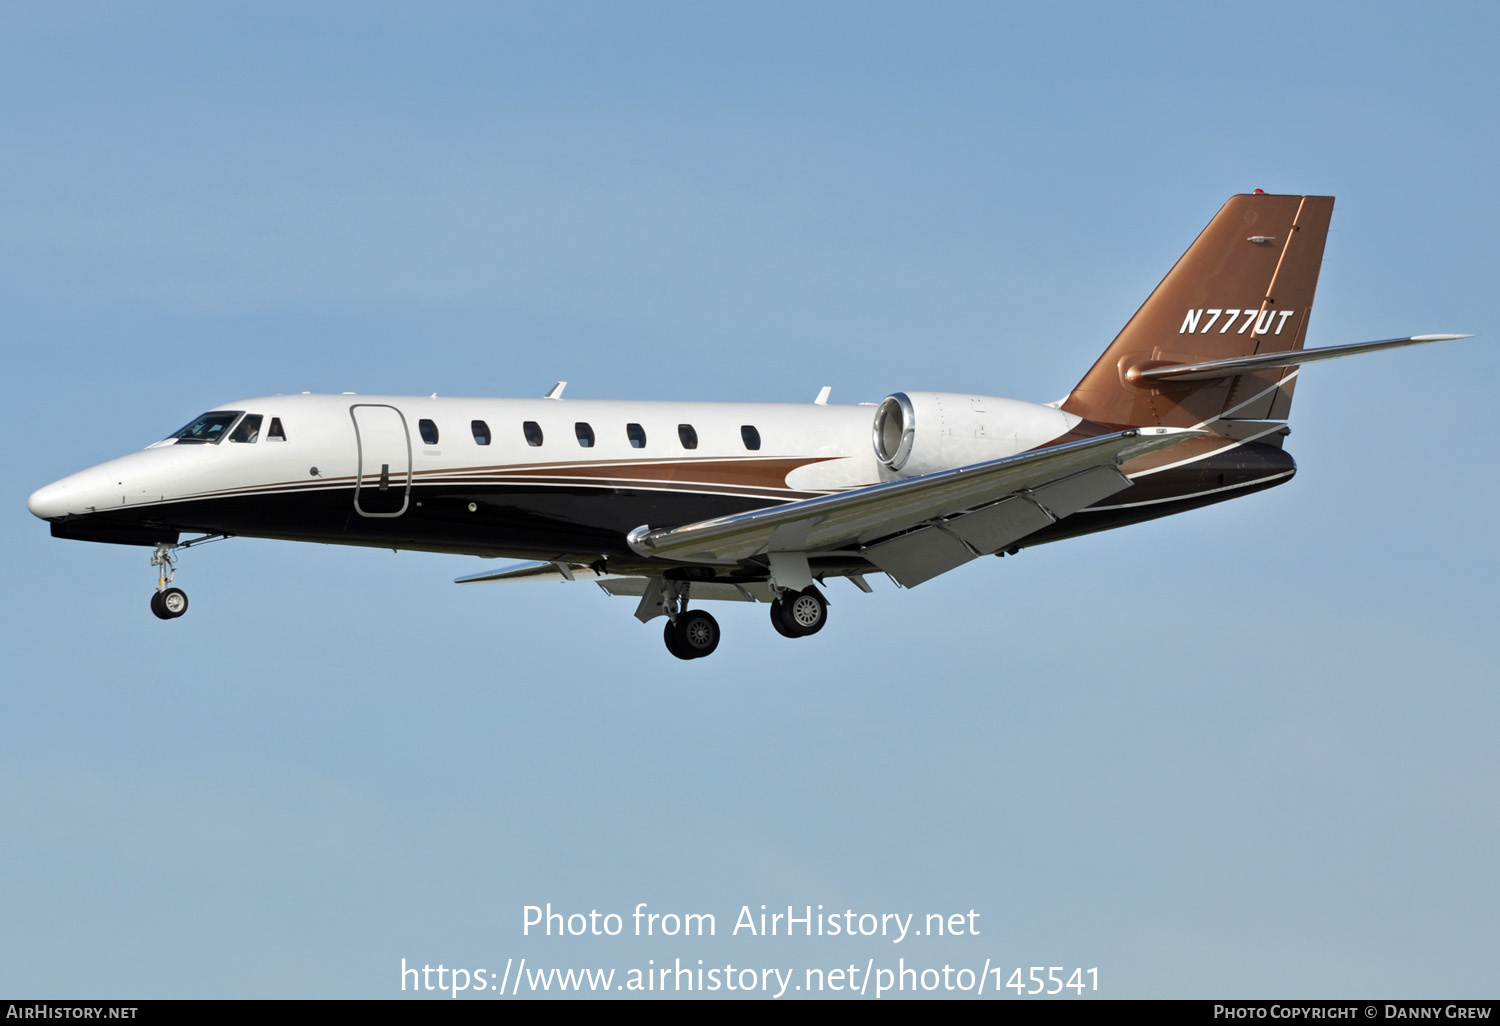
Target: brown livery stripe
(761, 478)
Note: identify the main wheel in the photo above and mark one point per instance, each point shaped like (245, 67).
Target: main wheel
(697, 633)
(674, 644)
(804, 613)
(169, 604)
(778, 622)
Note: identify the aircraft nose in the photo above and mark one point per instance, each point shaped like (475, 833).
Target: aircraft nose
(77, 493)
(49, 501)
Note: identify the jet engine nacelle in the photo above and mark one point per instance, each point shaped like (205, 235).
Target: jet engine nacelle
(918, 433)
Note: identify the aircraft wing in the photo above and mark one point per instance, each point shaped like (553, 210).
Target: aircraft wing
(976, 509)
(555, 571)
(632, 585)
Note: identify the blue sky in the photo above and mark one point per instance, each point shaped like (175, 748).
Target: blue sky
(1244, 752)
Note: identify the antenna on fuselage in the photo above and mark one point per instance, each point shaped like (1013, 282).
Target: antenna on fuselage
(557, 391)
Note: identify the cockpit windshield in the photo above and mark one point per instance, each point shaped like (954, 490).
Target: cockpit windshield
(248, 429)
(208, 428)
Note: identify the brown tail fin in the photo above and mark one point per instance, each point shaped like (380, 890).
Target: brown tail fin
(1245, 286)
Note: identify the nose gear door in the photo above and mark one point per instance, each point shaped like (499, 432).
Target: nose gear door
(382, 486)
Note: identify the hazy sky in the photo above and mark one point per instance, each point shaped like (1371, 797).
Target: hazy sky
(1249, 751)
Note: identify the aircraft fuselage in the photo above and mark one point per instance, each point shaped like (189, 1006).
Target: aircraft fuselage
(544, 478)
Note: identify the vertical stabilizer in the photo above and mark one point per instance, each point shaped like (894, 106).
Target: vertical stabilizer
(1245, 286)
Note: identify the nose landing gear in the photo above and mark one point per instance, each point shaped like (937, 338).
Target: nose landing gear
(168, 603)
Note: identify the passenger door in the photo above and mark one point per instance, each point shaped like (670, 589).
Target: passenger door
(382, 484)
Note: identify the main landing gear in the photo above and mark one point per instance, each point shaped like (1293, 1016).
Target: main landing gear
(693, 633)
(689, 633)
(798, 614)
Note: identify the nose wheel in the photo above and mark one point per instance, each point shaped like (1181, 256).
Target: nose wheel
(170, 603)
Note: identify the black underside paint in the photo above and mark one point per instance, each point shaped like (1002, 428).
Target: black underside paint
(1222, 476)
(100, 529)
(524, 521)
(528, 521)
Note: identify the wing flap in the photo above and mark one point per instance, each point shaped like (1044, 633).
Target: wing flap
(867, 515)
(1068, 496)
(994, 527)
(923, 554)
(919, 555)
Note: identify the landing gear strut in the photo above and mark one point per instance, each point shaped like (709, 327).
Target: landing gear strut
(168, 603)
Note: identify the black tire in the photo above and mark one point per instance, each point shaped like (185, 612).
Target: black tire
(173, 603)
(157, 608)
(804, 613)
(777, 622)
(697, 633)
(669, 635)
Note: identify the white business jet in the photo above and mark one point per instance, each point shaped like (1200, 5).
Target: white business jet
(673, 503)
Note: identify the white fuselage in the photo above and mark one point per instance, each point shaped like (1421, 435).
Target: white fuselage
(345, 461)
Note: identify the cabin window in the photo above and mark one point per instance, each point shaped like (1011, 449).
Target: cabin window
(585, 434)
(248, 429)
(481, 432)
(687, 436)
(428, 431)
(750, 436)
(533, 432)
(208, 429)
(637, 436)
(274, 432)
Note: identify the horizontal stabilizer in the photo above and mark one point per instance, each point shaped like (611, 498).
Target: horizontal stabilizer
(1209, 369)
